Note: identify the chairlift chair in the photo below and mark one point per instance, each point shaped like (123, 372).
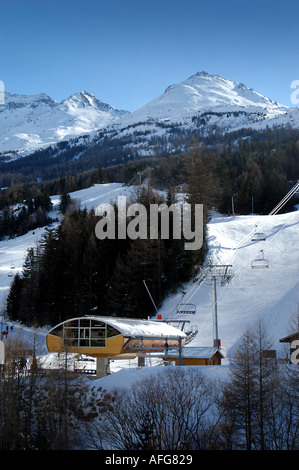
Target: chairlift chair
(185, 309)
(12, 267)
(258, 236)
(260, 262)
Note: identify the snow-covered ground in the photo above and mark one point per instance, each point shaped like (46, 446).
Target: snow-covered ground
(270, 294)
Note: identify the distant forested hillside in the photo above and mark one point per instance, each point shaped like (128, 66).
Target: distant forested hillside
(81, 157)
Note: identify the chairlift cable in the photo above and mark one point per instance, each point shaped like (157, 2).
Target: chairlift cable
(285, 199)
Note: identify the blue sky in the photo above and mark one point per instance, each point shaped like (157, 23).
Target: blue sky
(127, 52)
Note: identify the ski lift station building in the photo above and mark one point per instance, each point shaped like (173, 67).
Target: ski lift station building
(112, 337)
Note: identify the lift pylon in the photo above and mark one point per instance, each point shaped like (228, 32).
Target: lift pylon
(216, 272)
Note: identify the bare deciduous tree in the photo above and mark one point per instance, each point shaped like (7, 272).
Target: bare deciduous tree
(171, 410)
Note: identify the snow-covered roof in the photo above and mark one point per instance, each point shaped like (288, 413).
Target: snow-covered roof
(196, 352)
(289, 338)
(142, 328)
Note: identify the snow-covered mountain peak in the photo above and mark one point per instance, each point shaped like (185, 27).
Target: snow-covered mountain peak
(28, 123)
(208, 76)
(84, 99)
(13, 100)
(204, 92)
(228, 91)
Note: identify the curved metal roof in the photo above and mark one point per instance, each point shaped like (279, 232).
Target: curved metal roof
(133, 327)
(141, 328)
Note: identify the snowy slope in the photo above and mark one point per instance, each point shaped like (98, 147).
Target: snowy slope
(31, 122)
(271, 294)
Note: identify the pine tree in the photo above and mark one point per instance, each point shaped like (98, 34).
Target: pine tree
(128, 296)
(14, 299)
(250, 188)
(202, 189)
(64, 202)
(30, 293)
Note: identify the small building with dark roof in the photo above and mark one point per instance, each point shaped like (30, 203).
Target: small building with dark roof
(195, 356)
